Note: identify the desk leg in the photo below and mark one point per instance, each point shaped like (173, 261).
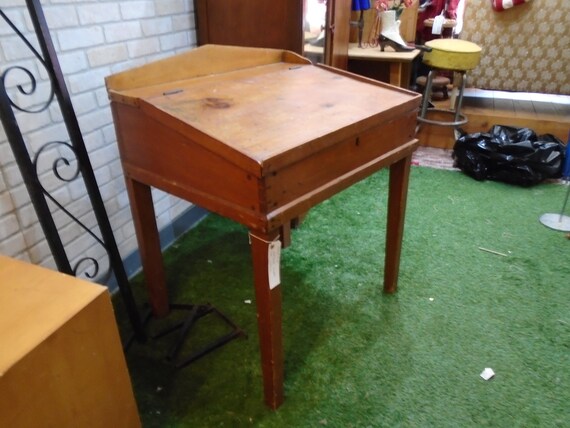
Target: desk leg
(149, 245)
(406, 73)
(396, 74)
(268, 319)
(399, 177)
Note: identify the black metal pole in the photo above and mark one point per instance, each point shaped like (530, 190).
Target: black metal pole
(27, 167)
(52, 63)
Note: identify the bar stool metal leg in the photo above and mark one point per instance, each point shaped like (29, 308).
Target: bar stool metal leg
(458, 118)
(427, 93)
(459, 100)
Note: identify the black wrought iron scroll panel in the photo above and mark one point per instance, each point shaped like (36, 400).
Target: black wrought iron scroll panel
(47, 165)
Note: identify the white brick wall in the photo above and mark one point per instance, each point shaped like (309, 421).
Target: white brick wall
(93, 39)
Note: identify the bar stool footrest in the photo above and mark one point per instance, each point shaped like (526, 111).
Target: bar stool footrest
(462, 118)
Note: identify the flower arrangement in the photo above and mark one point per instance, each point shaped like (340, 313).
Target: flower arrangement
(397, 5)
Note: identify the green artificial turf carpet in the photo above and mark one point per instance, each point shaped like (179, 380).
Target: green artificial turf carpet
(355, 357)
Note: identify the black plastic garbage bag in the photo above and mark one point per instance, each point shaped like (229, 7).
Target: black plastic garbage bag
(508, 154)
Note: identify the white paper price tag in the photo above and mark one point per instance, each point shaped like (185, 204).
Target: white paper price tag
(274, 262)
(438, 22)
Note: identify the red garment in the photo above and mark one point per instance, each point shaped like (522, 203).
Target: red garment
(500, 5)
(431, 11)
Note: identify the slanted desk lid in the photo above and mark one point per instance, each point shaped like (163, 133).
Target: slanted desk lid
(269, 113)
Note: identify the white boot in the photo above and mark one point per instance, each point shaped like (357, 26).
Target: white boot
(391, 28)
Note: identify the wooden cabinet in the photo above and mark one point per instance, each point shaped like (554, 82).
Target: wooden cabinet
(337, 33)
(61, 361)
(271, 24)
(256, 23)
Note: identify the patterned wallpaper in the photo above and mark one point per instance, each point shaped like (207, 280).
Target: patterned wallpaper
(525, 48)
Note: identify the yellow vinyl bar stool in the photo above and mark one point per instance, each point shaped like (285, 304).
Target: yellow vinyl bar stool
(454, 55)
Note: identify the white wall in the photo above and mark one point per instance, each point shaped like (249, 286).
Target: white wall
(93, 38)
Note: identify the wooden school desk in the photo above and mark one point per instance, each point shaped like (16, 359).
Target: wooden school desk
(259, 136)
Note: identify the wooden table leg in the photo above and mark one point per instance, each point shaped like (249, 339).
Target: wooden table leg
(146, 230)
(397, 197)
(396, 73)
(268, 302)
(406, 73)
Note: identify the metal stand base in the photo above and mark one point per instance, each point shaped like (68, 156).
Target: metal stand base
(556, 221)
(184, 327)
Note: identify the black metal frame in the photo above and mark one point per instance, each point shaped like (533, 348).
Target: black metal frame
(28, 166)
(183, 328)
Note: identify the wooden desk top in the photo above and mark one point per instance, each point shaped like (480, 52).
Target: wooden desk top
(265, 115)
